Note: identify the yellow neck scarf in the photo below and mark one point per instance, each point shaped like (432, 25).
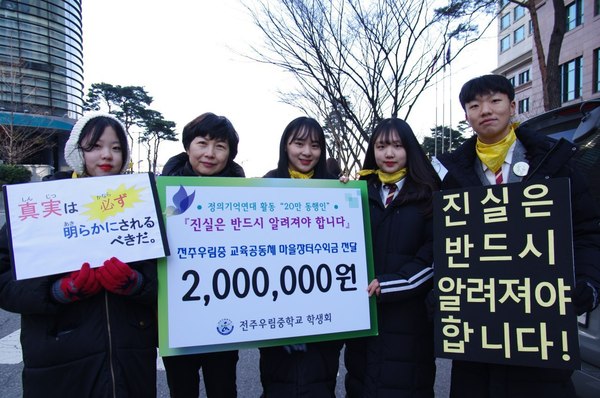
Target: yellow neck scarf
(493, 155)
(298, 174)
(384, 177)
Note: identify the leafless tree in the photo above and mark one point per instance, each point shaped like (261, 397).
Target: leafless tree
(356, 62)
(548, 61)
(17, 142)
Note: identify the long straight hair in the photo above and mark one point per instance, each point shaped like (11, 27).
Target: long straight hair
(421, 174)
(303, 128)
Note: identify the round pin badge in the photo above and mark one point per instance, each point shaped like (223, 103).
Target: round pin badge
(521, 169)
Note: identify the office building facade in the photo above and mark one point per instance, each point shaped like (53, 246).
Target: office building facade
(579, 56)
(41, 66)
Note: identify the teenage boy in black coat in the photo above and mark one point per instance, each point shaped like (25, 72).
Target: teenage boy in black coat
(489, 104)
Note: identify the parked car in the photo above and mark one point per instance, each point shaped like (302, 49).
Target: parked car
(580, 123)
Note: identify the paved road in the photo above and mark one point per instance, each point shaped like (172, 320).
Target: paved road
(248, 376)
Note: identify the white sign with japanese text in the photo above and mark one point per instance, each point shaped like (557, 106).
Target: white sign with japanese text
(56, 226)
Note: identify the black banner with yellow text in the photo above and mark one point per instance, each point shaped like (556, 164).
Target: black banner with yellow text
(504, 275)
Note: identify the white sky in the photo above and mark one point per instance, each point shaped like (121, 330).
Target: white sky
(181, 53)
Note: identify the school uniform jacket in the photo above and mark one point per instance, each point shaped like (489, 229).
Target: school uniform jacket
(547, 158)
(399, 362)
(102, 346)
(307, 373)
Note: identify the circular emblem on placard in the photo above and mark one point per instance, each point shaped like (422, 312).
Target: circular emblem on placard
(225, 327)
(521, 169)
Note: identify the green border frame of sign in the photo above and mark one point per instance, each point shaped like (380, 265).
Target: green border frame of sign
(163, 182)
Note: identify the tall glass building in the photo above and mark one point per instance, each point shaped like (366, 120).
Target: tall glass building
(41, 69)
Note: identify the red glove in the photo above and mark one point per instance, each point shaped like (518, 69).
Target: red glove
(117, 277)
(78, 285)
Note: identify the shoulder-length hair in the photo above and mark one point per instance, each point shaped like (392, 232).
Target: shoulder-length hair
(303, 128)
(421, 174)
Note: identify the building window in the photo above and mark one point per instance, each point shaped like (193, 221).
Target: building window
(596, 7)
(519, 34)
(505, 43)
(503, 3)
(531, 26)
(505, 21)
(571, 79)
(574, 14)
(524, 77)
(524, 105)
(512, 81)
(519, 12)
(596, 87)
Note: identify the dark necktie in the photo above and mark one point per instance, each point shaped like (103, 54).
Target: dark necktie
(390, 196)
(499, 178)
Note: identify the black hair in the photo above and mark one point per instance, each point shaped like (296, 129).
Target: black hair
(333, 166)
(302, 128)
(214, 127)
(421, 174)
(94, 129)
(483, 85)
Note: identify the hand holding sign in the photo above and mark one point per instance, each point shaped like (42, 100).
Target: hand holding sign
(76, 286)
(585, 297)
(118, 278)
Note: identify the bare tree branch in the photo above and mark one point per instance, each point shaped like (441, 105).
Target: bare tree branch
(358, 62)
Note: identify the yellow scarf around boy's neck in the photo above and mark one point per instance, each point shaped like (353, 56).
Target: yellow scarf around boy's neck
(299, 174)
(384, 177)
(493, 155)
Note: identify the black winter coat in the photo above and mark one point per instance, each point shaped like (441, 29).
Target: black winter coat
(102, 346)
(311, 373)
(399, 362)
(219, 367)
(547, 158)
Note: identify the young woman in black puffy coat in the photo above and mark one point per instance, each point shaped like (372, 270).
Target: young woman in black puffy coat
(399, 362)
(301, 370)
(91, 332)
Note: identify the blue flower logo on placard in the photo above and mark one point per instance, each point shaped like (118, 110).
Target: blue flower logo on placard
(181, 202)
(225, 327)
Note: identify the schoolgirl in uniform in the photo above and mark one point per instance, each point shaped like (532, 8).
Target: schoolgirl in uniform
(399, 362)
(301, 370)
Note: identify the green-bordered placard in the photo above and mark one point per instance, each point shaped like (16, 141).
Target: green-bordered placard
(263, 262)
